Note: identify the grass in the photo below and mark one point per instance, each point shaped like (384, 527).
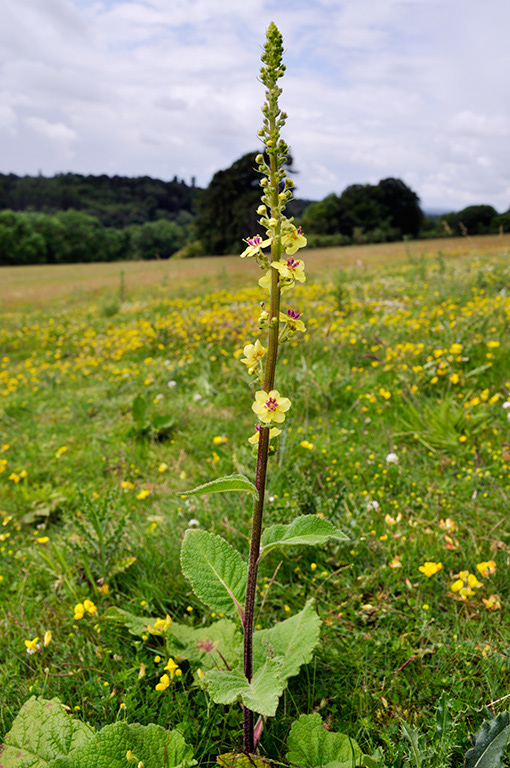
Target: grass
(409, 356)
(32, 286)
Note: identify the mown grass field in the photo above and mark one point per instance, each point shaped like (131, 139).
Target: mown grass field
(406, 353)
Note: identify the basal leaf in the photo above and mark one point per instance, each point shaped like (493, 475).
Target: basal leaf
(293, 640)
(41, 732)
(222, 484)
(153, 745)
(304, 530)
(311, 746)
(261, 695)
(240, 760)
(215, 569)
(209, 647)
(136, 625)
(489, 743)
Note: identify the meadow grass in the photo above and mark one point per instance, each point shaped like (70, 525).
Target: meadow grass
(409, 358)
(35, 285)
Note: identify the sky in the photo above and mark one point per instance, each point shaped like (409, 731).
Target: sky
(415, 89)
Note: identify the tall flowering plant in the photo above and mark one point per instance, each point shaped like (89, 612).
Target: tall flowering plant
(218, 573)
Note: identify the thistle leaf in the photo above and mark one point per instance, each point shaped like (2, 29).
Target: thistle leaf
(489, 743)
(304, 530)
(223, 484)
(215, 570)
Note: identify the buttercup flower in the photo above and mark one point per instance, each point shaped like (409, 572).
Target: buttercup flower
(270, 406)
(430, 568)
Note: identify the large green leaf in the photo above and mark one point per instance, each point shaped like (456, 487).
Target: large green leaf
(216, 571)
(293, 640)
(311, 746)
(41, 732)
(489, 743)
(152, 745)
(304, 530)
(136, 625)
(209, 647)
(261, 695)
(222, 484)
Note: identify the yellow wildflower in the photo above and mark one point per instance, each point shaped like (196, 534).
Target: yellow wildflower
(89, 606)
(430, 568)
(160, 626)
(293, 268)
(172, 667)
(492, 603)
(270, 406)
(486, 569)
(163, 684)
(31, 645)
(253, 353)
(79, 611)
(465, 584)
(47, 638)
(143, 494)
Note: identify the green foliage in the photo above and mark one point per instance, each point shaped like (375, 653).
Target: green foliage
(473, 220)
(310, 745)
(261, 695)
(45, 736)
(42, 732)
(305, 530)
(155, 426)
(215, 570)
(489, 743)
(223, 485)
(291, 641)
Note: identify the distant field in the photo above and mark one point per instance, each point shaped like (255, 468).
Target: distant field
(38, 284)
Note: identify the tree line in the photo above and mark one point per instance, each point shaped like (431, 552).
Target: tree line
(73, 218)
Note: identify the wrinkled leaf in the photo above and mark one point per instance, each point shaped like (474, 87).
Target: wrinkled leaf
(136, 625)
(306, 530)
(489, 743)
(41, 732)
(261, 695)
(312, 746)
(293, 640)
(222, 484)
(151, 744)
(216, 571)
(239, 760)
(209, 647)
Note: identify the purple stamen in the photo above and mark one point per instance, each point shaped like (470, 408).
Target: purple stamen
(293, 314)
(254, 241)
(292, 263)
(271, 404)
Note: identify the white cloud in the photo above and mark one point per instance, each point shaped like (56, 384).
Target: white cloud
(409, 88)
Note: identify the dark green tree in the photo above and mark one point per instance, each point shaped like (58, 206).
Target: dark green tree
(473, 220)
(328, 217)
(226, 209)
(402, 206)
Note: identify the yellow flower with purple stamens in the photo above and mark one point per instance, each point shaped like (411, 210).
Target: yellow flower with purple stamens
(253, 353)
(254, 246)
(273, 432)
(293, 268)
(270, 406)
(293, 240)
